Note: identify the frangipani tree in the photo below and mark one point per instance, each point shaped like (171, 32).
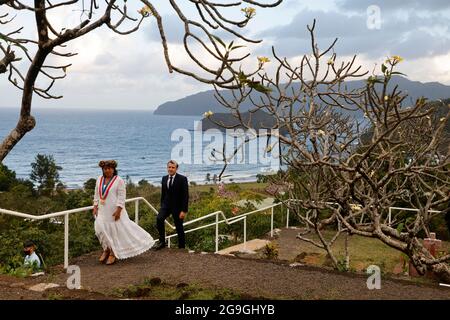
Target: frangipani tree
(219, 65)
(353, 153)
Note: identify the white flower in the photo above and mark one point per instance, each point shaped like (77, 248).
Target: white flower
(145, 11)
(263, 60)
(355, 207)
(208, 114)
(249, 12)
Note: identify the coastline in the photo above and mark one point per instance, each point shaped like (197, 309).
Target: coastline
(203, 185)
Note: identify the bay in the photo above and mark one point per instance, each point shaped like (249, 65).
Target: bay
(140, 141)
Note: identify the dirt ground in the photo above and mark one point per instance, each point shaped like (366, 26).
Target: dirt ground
(248, 276)
(12, 288)
(256, 278)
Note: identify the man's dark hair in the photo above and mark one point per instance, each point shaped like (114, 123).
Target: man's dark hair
(29, 243)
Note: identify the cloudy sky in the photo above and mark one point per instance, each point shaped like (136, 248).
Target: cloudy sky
(118, 72)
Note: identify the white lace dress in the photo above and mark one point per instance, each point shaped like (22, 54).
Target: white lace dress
(124, 237)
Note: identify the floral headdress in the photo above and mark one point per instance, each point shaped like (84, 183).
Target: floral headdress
(107, 163)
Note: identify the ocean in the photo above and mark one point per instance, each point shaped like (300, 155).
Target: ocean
(141, 142)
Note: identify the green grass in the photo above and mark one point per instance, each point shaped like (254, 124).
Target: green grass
(259, 187)
(55, 296)
(363, 251)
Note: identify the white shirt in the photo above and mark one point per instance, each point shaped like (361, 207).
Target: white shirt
(30, 260)
(168, 180)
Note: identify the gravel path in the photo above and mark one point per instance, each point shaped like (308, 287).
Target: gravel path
(251, 277)
(255, 278)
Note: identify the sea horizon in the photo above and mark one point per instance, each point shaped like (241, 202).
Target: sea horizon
(140, 141)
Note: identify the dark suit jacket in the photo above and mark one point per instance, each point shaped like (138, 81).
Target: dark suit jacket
(177, 198)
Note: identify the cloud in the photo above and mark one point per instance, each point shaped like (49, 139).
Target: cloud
(412, 37)
(430, 5)
(173, 29)
(113, 71)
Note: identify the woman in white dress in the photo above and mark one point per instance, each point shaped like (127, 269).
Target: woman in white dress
(120, 237)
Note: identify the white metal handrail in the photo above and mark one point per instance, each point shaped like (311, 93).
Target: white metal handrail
(228, 221)
(406, 209)
(136, 200)
(66, 214)
(389, 211)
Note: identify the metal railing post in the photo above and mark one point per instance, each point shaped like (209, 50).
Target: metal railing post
(217, 232)
(67, 213)
(287, 217)
(271, 224)
(136, 211)
(168, 242)
(66, 241)
(245, 233)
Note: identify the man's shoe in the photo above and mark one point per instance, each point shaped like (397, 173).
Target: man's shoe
(160, 246)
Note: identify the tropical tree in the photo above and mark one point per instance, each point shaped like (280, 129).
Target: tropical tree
(45, 172)
(351, 154)
(216, 64)
(7, 178)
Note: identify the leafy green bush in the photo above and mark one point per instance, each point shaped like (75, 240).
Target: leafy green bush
(7, 178)
(48, 235)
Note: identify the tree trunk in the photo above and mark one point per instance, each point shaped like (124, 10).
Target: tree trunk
(347, 253)
(442, 271)
(26, 123)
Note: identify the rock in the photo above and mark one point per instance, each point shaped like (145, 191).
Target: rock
(247, 251)
(296, 264)
(300, 257)
(142, 291)
(155, 281)
(276, 232)
(41, 287)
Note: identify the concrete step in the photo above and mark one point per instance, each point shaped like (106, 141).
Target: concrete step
(248, 247)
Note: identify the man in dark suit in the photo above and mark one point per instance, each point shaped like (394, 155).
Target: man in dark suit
(174, 201)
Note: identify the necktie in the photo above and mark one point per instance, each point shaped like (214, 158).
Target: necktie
(170, 182)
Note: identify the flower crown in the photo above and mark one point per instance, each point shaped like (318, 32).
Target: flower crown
(107, 163)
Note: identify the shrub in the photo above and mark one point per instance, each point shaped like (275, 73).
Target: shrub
(7, 178)
(270, 251)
